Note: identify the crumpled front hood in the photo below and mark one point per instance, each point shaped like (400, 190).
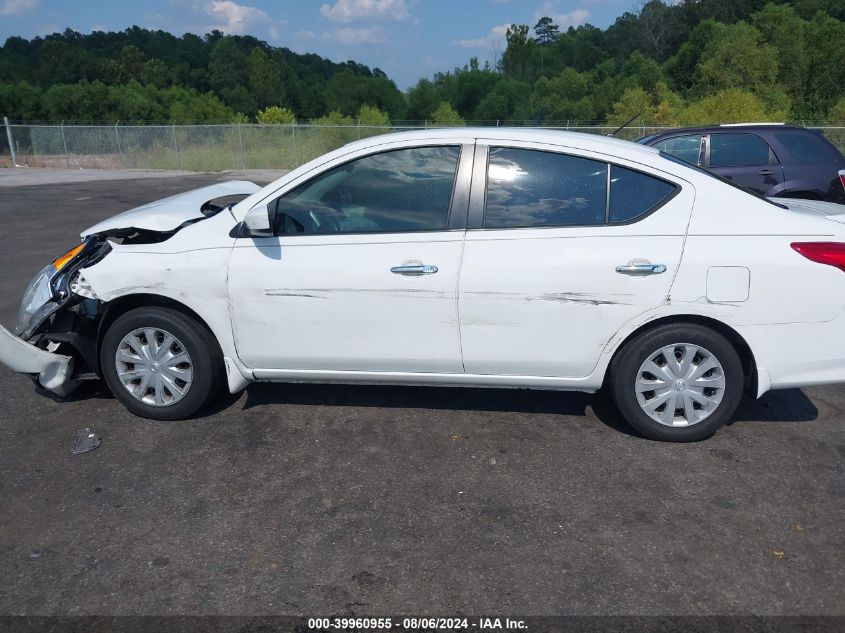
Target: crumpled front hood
(170, 213)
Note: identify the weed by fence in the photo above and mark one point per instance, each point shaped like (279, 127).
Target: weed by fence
(219, 147)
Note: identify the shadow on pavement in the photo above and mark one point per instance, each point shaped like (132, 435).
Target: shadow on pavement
(789, 405)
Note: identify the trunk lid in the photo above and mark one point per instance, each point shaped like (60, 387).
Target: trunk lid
(816, 208)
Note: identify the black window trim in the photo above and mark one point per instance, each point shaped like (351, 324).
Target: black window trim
(478, 206)
(455, 219)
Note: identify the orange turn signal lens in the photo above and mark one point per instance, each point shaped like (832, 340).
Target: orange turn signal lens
(61, 261)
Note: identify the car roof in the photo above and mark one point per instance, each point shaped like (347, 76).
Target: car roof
(593, 142)
(726, 127)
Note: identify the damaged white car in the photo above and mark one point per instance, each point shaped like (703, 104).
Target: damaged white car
(475, 257)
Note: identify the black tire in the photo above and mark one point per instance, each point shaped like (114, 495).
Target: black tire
(626, 364)
(200, 344)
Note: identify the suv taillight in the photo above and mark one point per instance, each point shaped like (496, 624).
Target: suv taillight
(842, 177)
(830, 253)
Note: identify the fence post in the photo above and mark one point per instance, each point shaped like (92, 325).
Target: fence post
(64, 142)
(359, 129)
(117, 138)
(175, 146)
(11, 142)
(241, 140)
(295, 147)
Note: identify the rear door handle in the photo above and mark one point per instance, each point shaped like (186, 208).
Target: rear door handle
(765, 172)
(414, 270)
(640, 270)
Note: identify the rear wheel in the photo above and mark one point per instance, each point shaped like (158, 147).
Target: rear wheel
(678, 382)
(160, 363)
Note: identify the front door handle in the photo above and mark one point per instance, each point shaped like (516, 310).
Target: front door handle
(641, 269)
(765, 172)
(414, 270)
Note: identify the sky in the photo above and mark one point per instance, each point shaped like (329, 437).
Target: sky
(407, 39)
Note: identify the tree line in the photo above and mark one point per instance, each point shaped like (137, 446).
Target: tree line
(694, 61)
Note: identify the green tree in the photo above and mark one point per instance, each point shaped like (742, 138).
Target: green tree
(522, 53)
(186, 105)
(546, 31)
(737, 58)
(446, 116)
(275, 115)
(370, 115)
(265, 79)
(837, 112)
(229, 75)
(782, 28)
(635, 102)
(825, 37)
(639, 70)
(563, 98)
(423, 99)
(503, 101)
(732, 105)
(21, 100)
(658, 27)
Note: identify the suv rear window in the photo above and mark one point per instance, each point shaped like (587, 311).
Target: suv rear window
(808, 148)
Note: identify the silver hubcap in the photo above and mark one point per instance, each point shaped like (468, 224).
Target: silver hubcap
(154, 366)
(680, 385)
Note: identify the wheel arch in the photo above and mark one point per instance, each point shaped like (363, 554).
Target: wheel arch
(746, 355)
(123, 304)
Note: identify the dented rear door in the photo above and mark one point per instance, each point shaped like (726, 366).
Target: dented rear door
(537, 299)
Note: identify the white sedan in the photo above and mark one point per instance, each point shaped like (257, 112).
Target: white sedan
(479, 257)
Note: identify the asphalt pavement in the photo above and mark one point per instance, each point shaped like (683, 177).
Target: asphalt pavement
(311, 499)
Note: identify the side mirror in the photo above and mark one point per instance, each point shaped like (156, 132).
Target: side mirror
(258, 222)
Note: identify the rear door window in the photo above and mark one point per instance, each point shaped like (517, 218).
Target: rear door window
(534, 188)
(689, 148)
(739, 150)
(530, 188)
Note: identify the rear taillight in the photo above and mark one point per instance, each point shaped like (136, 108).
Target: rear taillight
(842, 177)
(830, 253)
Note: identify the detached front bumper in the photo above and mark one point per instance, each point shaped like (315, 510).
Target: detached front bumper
(54, 371)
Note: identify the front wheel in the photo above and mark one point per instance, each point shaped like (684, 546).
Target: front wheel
(677, 383)
(160, 363)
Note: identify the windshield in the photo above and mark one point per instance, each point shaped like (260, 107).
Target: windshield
(700, 170)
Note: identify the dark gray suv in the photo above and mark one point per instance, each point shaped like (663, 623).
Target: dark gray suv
(772, 159)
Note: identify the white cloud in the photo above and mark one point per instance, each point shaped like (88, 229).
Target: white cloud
(351, 10)
(16, 7)
(352, 36)
(237, 19)
(549, 8)
(496, 35)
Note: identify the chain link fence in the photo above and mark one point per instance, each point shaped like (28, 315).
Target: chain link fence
(220, 147)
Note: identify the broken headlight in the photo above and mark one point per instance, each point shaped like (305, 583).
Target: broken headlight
(48, 291)
(37, 302)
